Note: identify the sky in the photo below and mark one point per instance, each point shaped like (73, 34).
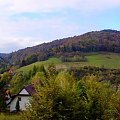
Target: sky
(26, 23)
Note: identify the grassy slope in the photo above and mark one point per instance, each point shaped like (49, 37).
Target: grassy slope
(108, 60)
(51, 60)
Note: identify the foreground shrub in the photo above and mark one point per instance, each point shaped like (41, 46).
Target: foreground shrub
(65, 98)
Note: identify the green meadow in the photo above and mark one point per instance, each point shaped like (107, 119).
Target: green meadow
(10, 117)
(56, 61)
(106, 60)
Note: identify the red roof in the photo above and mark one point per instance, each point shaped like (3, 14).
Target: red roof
(30, 89)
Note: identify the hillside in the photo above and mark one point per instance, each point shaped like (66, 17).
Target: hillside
(4, 64)
(97, 41)
(106, 60)
(104, 65)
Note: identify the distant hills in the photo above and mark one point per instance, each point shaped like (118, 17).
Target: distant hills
(95, 41)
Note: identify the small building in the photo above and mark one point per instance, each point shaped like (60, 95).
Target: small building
(22, 98)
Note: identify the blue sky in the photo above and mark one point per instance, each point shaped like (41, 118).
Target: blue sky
(25, 23)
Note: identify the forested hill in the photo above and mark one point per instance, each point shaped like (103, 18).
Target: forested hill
(97, 41)
(4, 64)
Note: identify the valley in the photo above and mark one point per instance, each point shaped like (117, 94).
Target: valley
(69, 69)
(59, 60)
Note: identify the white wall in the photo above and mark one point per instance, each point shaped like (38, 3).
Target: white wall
(23, 103)
(24, 92)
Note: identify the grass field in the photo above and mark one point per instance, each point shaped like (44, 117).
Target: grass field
(110, 60)
(10, 117)
(107, 60)
(56, 61)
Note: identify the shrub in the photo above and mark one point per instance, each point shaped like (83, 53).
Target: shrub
(65, 98)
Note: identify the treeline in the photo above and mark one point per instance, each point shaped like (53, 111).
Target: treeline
(33, 58)
(81, 58)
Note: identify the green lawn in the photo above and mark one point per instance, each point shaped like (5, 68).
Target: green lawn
(108, 60)
(10, 117)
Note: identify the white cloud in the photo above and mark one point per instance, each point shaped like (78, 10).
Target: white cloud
(12, 44)
(20, 6)
(26, 32)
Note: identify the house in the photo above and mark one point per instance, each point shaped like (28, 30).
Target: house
(22, 98)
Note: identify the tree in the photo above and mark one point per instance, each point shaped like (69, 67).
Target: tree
(56, 99)
(101, 99)
(4, 80)
(51, 70)
(2, 96)
(34, 70)
(42, 69)
(31, 59)
(65, 98)
(23, 63)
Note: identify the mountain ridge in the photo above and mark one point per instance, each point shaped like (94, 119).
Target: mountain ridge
(106, 40)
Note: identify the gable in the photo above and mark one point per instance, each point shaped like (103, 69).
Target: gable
(24, 92)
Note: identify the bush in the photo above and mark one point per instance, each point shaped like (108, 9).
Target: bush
(65, 98)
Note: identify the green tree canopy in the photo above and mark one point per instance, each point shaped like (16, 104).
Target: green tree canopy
(65, 98)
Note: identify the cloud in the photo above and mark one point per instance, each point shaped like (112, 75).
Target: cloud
(25, 33)
(21, 6)
(19, 30)
(11, 44)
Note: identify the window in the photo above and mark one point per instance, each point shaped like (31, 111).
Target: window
(19, 98)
